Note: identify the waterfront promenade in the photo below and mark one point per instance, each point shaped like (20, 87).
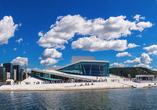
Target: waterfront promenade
(112, 82)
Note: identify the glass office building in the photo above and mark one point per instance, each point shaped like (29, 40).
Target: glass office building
(2, 73)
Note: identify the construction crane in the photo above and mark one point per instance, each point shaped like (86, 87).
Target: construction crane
(25, 66)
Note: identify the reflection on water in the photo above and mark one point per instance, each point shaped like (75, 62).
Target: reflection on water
(80, 100)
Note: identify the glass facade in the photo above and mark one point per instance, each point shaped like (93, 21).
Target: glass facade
(88, 68)
(2, 74)
(81, 68)
(9, 68)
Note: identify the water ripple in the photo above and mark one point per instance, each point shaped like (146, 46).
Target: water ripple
(113, 99)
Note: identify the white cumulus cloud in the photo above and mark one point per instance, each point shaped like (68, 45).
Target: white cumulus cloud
(48, 61)
(153, 53)
(151, 48)
(20, 61)
(136, 60)
(143, 65)
(137, 17)
(7, 29)
(132, 45)
(66, 27)
(63, 30)
(123, 54)
(141, 61)
(96, 44)
(144, 59)
(119, 64)
(50, 53)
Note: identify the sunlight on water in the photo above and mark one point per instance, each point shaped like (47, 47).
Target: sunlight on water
(80, 100)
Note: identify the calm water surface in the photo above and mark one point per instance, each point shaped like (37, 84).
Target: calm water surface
(113, 99)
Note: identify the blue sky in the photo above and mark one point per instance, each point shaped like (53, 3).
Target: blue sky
(48, 33)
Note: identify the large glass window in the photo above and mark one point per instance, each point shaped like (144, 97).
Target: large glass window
(88, 68)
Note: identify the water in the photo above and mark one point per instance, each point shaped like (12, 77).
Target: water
(113, 99)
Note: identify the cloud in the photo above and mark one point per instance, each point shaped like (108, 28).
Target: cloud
(142, 25)
(154, 69)
(20, 24)
(63, 30)
(151, 48)
(132, 45)
(19, 40)
(48, 61)
(153, 53)
(66, 27)
(7, 29)
(137, 60)
(49, 56)
(118, 64)
(20, 61)
(15, 48)
(93, 44)
(143, 65)
(139, 35)
(116, 27)
(144, 59)
(123, 54)
(137, 17)
(141, 61)
(50, 53)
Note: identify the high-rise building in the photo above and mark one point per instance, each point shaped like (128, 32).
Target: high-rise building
(21, 74)
(2, 73)
(9, 68)
(18, 73)
(14, 74)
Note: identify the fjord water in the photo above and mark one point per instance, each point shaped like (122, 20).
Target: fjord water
(113, 99)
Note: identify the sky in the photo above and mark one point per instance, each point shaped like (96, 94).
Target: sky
(48, 33)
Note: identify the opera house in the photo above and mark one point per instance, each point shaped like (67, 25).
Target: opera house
(81, 68)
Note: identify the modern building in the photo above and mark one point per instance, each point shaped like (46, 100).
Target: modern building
(10, 71)
(144, 77)
(21, 74)
(18, 73)
(25, 75)
(8, 75)
(15, 74)
(9, 68)
(2, 73)
(78, 70)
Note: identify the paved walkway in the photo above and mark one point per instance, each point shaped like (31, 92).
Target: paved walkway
(112, 82)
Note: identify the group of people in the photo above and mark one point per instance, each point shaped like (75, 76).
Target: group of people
(85, 84)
